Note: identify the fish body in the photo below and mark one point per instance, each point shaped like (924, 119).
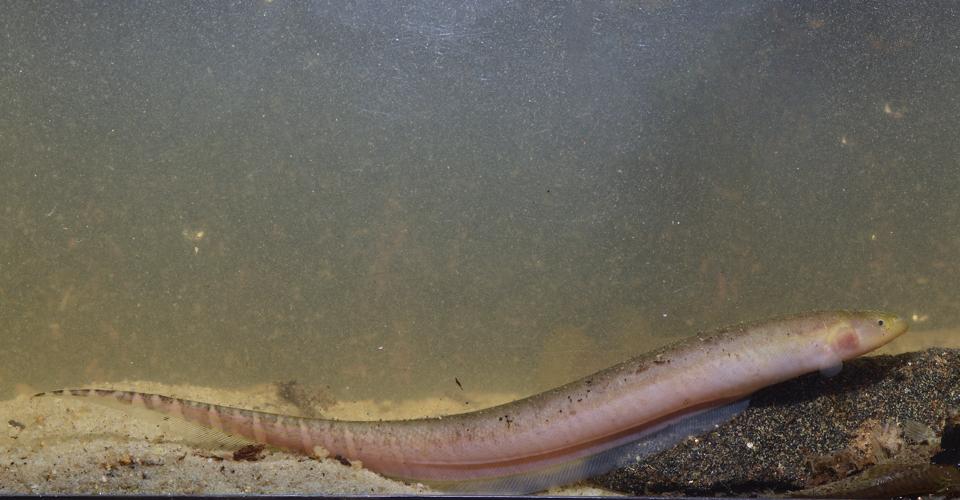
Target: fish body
(555, 436)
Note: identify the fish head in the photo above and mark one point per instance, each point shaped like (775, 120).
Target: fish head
(859, 332)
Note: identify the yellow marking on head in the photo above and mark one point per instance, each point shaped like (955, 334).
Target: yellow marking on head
(864, 331)
(892, 324)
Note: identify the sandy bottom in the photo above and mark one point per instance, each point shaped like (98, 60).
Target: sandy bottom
(68, 446)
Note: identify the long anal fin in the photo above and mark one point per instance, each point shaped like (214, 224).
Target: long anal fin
(641, 445)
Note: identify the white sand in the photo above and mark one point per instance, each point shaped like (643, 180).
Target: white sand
(68, 446)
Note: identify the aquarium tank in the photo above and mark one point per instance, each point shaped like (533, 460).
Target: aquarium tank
(365, 210)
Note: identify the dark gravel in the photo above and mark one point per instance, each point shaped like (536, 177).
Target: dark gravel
(799, 433)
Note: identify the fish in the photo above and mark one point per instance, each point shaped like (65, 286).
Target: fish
(586, 427)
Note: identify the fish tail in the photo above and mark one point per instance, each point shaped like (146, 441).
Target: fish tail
(230, 426)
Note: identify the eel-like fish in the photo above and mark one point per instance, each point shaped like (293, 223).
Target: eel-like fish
(565, 434)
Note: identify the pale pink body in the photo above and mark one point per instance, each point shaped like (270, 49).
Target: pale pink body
(572, 421)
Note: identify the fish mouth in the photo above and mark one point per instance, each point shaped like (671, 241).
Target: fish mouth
(893, 325)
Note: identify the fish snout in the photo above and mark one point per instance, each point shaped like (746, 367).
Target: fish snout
(876, 329)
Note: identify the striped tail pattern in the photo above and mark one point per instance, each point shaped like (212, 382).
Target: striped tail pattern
(233, 426)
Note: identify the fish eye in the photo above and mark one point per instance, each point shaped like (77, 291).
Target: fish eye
(880, 322)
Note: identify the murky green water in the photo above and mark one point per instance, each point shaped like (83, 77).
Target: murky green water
(397, 199)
